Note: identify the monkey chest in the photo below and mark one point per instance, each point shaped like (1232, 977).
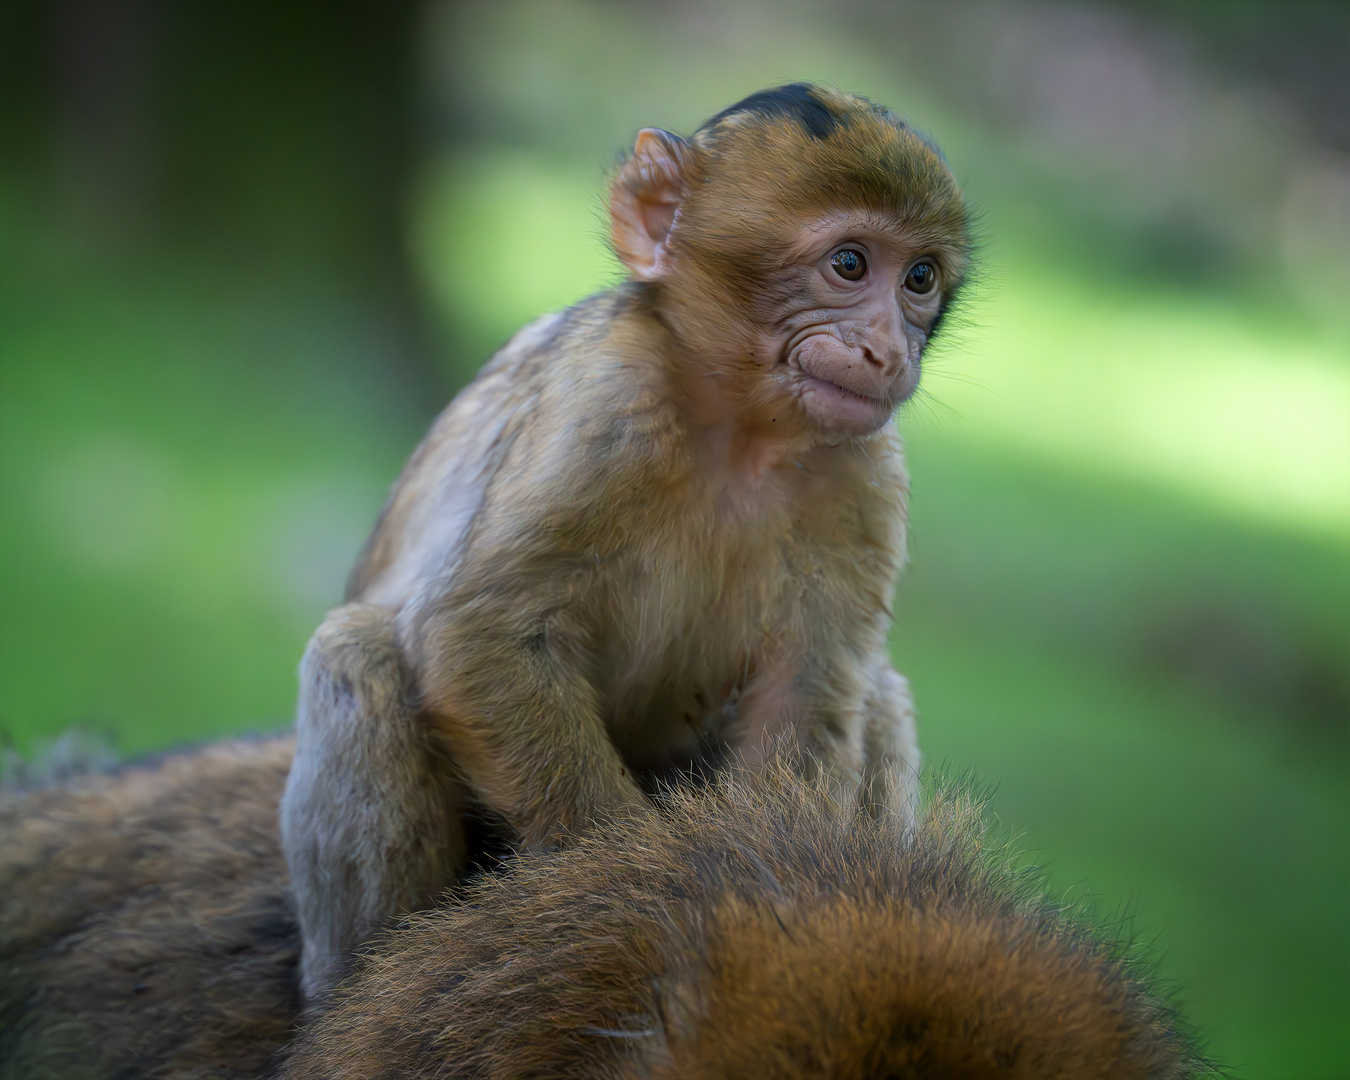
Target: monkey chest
(730, 589)
(689, 633)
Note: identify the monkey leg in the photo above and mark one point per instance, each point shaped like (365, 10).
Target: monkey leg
(371, 820)
(890, 745)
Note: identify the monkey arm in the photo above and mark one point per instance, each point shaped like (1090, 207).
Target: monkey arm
(501, 637)
(770, 709)
(510, 694)
(816, 708)
(431, 509)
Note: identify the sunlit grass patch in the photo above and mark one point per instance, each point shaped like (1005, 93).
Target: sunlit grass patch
(1197, 394)
(501, 237)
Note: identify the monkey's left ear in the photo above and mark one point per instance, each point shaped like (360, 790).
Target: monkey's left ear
(643, 202)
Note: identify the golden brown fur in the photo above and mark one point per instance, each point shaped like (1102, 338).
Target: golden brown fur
(146, 923)
(755, 930)
(666, 522)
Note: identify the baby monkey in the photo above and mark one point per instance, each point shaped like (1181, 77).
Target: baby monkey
(668, 519)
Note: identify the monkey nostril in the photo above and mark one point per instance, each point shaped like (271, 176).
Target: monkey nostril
(890, 363)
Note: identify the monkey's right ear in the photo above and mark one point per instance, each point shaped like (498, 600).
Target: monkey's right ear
(644, 200)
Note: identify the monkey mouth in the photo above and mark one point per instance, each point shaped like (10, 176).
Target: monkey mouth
(847, 394)
(843, 407)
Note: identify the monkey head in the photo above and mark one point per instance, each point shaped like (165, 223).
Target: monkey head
(805, 235)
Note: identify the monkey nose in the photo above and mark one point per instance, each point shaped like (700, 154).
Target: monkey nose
(888, 362)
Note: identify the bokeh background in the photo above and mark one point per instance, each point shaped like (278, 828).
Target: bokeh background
(249, 249)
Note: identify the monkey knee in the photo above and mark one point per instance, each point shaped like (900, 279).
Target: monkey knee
(889, 685)
(356, 642)
(353, 663)
(370, 817)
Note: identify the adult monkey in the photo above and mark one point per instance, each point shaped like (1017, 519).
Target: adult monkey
(754, 929)
(669, 517)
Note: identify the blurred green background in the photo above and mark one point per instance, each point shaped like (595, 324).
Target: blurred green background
(248, 250)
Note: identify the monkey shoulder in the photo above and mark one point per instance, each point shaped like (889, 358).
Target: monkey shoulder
(442, 489)
(603, 416)
(566, 422)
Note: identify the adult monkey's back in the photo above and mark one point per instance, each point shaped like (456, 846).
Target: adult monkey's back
(754, 929)
(669, 518)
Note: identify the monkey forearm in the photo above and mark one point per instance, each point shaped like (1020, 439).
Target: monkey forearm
(822, 716)
(531, 743)
(545, 787)
(890, 780)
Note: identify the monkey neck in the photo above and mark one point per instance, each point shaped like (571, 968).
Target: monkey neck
(743, 454)
(741, 446)
(728, 429)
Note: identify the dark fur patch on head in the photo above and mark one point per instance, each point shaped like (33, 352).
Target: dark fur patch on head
(796, 101)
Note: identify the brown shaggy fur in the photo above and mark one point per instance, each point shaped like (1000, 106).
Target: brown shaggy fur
(146, 923)
(754, 931)
(146, 930)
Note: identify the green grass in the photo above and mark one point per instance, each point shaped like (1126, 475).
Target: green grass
(186, 475)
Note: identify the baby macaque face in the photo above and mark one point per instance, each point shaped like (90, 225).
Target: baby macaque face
(850, 333)
(804, 246)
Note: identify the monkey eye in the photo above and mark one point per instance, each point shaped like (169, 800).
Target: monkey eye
(849, 264)
(921, 278)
